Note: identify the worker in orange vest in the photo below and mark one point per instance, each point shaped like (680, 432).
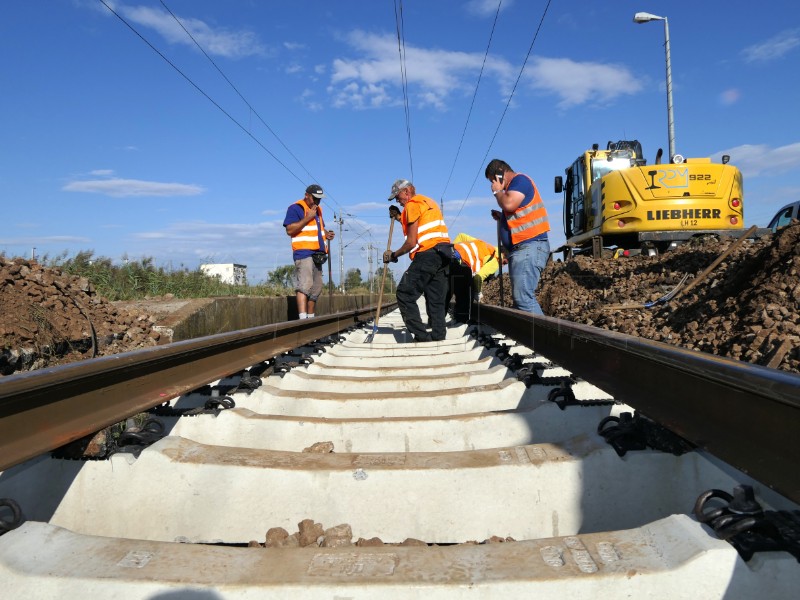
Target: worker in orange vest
(428, 244)
(524, 218)
(305, 225)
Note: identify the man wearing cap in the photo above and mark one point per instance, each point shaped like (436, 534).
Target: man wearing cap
(428, 244)
(304, 224)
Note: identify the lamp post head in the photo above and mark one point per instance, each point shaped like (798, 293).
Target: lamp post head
(643, 17)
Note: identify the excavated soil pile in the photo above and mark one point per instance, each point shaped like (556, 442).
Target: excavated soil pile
(48, 318)
(746, 308)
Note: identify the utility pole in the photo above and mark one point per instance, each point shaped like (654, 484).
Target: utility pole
(340, 221)
(378, 262)
(370, 247)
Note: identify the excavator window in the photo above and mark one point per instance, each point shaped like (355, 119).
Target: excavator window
(603, 166)
(575, 199)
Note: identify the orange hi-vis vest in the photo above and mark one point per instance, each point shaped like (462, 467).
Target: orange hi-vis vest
(530, 220)
(475, 253)
(308, 237)
(431, 230)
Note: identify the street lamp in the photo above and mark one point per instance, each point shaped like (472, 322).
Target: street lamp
(643, 17)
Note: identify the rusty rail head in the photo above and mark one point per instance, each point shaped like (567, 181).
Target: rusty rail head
(745, 414)
(43, 410)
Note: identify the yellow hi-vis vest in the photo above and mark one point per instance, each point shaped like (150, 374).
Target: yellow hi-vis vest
(475, 253)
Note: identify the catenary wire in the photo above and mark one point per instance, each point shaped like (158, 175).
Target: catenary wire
(472, 104)
(250, 106)
(505, 110)
(217, 105)
(199, 89)
(401, 49)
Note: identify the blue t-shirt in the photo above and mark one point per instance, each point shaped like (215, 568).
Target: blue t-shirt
(294, 214)
(524, 186)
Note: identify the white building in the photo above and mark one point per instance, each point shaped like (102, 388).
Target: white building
(228, 273)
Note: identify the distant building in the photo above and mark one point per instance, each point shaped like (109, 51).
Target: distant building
(228, 273)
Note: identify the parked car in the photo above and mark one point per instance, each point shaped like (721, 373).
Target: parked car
(784, 216)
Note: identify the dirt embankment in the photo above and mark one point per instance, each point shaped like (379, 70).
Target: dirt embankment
(747, 308)
(49, 317)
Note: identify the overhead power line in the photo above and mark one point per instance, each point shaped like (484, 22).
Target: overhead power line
(199, 89)
(469, 113)
(401, 49)
(217, 105)
(250, 106)
(505, 110)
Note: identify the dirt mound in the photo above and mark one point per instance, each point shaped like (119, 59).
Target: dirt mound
(49, 318)
(747, 308)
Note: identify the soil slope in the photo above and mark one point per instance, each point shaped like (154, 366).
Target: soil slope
(746, 308)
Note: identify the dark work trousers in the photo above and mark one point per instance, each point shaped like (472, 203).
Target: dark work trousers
(426, 275)
(461, 289)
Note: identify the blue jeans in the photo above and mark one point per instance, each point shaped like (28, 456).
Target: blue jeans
(525, 265)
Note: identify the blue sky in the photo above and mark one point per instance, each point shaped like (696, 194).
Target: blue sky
(107, 147)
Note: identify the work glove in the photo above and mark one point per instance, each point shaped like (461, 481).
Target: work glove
(389, 256)
(394, 213)
(477, 296)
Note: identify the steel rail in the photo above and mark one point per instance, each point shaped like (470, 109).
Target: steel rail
(45, 409)
(745, 414)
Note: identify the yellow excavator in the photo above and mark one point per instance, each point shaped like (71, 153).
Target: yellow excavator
(614, 199)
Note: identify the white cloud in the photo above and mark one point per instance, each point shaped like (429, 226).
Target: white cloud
(43, 240)
(199, 231)
(484, 8)
(374, 80)
(261, 246)
(581, 82)
(293, 46)
(102, 172)
(293, 68)
(431, 74)
(773, 48)
(363, 207)
(755, 160)
(218, 42)
(120, 188)
(307, 99)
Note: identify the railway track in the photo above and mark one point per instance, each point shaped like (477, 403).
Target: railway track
(299, 461)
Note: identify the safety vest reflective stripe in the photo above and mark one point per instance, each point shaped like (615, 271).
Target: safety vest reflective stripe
(308, 237)
(432, 229)
(475, 254)
(530, 220)
(427, 234)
